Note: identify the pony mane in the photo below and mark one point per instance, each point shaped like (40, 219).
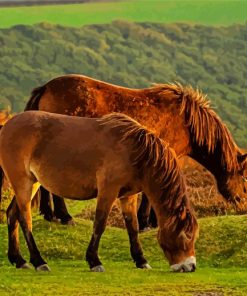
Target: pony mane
(149, 151)
(206, 127)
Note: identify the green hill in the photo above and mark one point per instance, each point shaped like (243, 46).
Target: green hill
(133, 55)
(221, 256)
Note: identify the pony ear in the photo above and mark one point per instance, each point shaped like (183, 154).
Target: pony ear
(242, 158)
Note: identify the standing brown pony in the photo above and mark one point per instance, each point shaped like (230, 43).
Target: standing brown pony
(108, 158)
(180, 115)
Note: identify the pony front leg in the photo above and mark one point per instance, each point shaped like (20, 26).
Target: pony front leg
(45, 205)
(104, 204)
(61, 212)
(129, 209)
(143, 214)
(14, 254)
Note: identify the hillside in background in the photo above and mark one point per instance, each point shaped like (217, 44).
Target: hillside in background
(133, 55)
(223, 12)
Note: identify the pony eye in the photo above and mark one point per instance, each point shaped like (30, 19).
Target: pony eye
(244, 178)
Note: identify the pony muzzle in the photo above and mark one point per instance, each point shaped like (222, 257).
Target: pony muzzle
(188, 265)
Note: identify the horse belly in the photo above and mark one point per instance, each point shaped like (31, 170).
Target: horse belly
(68, 183)
(72, 190)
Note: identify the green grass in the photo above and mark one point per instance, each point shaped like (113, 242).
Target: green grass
(221, 12)
(221, 255)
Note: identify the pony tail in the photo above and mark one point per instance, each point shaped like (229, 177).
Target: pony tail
(33, 102)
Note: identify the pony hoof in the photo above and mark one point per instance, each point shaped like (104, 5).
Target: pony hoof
(69, 222)
(145, 266)
(43, 267)
(25, 266)
(98, 268)
(56, 220)
(145, 229)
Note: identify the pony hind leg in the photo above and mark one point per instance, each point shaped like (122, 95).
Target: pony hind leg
(104, 205)
(14, 254)
(129, 209)
(26, 225)
(24, 194)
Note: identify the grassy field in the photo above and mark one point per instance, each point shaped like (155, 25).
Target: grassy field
(221, 255)
(221, 12)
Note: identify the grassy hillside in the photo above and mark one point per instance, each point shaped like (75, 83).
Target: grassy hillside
(221, 255)
(133, 55)
(222, 12)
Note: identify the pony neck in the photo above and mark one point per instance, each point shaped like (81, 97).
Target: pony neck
(166, 198)
(212, 161)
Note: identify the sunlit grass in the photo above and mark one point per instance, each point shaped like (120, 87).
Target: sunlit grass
(221, 255)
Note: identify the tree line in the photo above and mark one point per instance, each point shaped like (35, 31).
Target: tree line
(214, 59)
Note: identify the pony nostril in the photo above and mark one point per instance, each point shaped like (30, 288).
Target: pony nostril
(193, 267)
(237, 198)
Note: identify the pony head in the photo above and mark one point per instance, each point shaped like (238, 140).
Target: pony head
(233, 185)
(177, 238)
(210, 141)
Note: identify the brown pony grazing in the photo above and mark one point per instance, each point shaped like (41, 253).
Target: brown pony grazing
(108, 158)
(180, 115)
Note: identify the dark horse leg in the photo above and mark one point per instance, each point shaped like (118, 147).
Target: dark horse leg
(153, 219)
(23, 197)
(143, 213)
(104, 204)
(45, 205)
(13, 225)
(129, 209)
(60, 210)
(25, 220)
